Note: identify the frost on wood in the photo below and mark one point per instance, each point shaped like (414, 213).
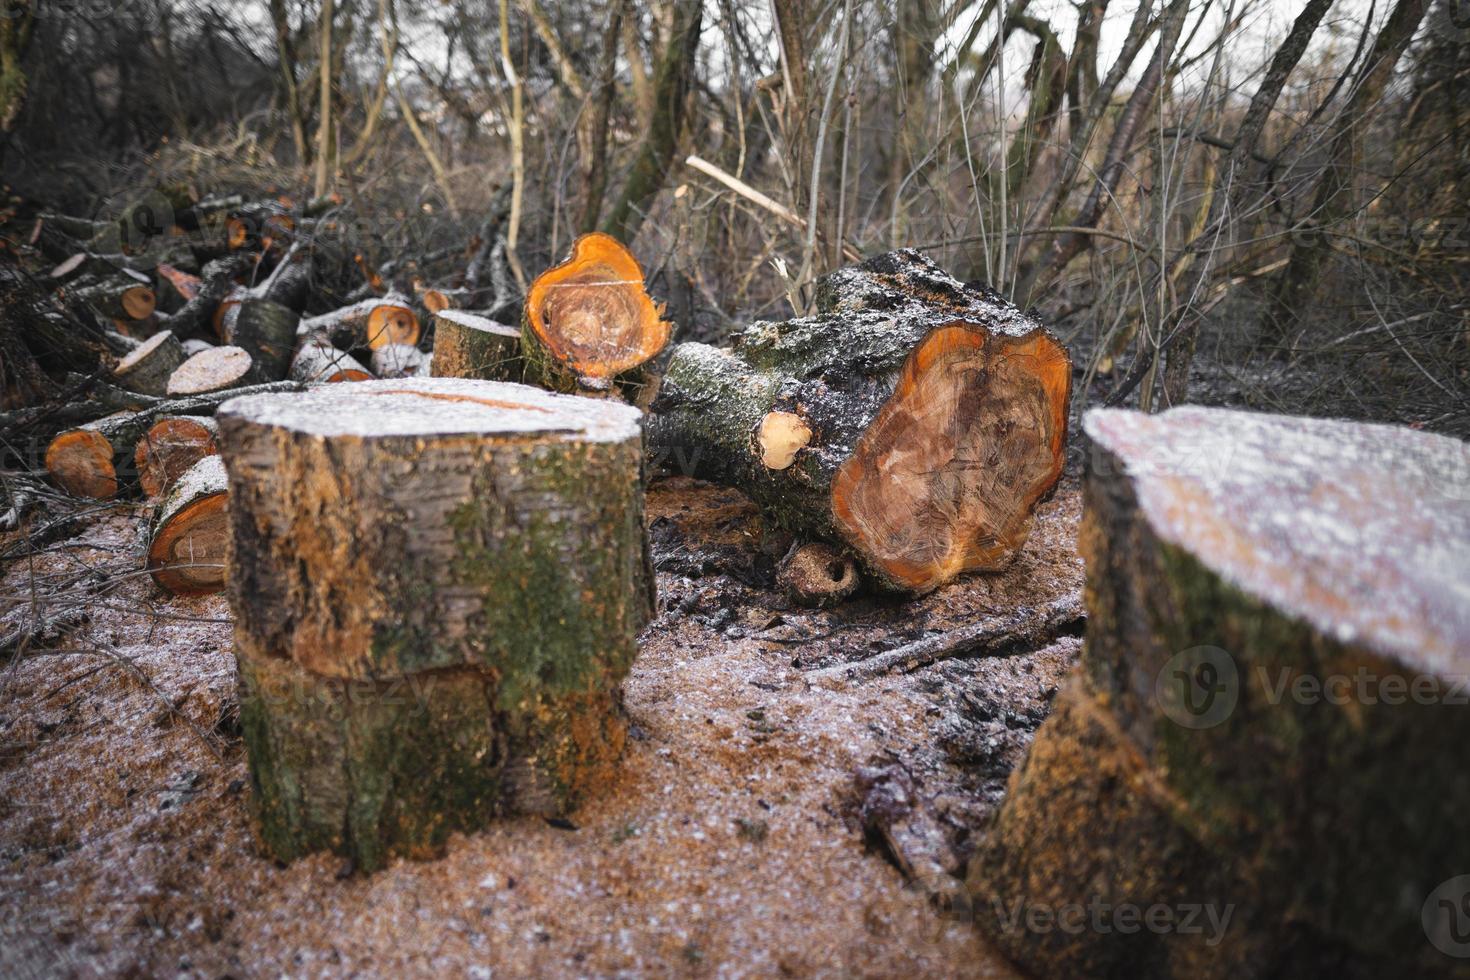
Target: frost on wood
(188, 547)
(470, 346)
(479, 544)
(913, 420)
(1278, 635)
(211, 370)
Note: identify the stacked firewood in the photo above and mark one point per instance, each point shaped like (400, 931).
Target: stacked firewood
(904, 432)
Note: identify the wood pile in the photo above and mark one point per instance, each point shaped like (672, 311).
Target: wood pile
(905, 431)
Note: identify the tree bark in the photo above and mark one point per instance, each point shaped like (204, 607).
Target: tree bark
(147, 369)
(1232, 735)
(432, 629)
(671, 85)
(913, 421)
(317, 360)
(367, 325)
(467, 345)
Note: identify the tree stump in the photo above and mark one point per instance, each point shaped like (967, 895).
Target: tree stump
(1268, 708)
(437, 587)
(467, 345)
(147, 369)
(589, 320)
(914, 421)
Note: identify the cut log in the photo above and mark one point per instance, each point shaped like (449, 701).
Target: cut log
(223, 317)
(187, 553)
(914, 421)
(400, 361)
(181, 286)
(467, 345)
(437, 301)
(451, 575)
(196, 345)
(371, 323)
(216, 281)
(170, 447)
(589, 320)
(1273, 672)
(215, 369)
(317, 360)
(121, 296)
(265, 330)
(149, 366)
(97, 459)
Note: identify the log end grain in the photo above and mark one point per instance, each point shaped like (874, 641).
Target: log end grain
(187, 554)
(81, 463)
(211, 370)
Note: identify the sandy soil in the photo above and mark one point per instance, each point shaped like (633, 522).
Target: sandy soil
(757, 829)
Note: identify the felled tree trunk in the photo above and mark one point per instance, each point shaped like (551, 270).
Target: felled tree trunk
(188, 549)
(266, 330)
(1273, 672)
(170, 448)
(121, 296)
(147, 368)
(449, 576)
(371, 323)
(400, 361)
(467, 345)
(317, 360)
(913, 421)
(589, 321)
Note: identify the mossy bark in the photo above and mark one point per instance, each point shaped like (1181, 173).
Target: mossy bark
(496, 580)
(835, 375)
(1302, 781)
(467, 345)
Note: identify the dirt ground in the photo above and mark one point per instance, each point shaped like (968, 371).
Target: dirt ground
(758, 827)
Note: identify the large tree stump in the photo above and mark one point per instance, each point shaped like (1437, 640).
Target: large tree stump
(1268, 710)
(915, 421)
(437, 586)
(589, 320)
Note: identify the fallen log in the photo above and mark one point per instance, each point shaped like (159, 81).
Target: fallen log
(317, 360)
(170, 447)
(913, 420)
(1273, 671)
(454, 617)
(148, 367)
(123, 295)
(188, 548)
(96, 459)
(371, 323)
(216, 281)
(216, 369)
(266, 330)
(81, 265)
(589, 320)
(467, 345)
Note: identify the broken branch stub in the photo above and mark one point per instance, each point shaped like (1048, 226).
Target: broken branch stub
(455, 573)
(1277, 644)
(913, 420)
(589, 320)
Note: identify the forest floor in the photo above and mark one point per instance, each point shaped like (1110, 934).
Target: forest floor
(765, 807)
